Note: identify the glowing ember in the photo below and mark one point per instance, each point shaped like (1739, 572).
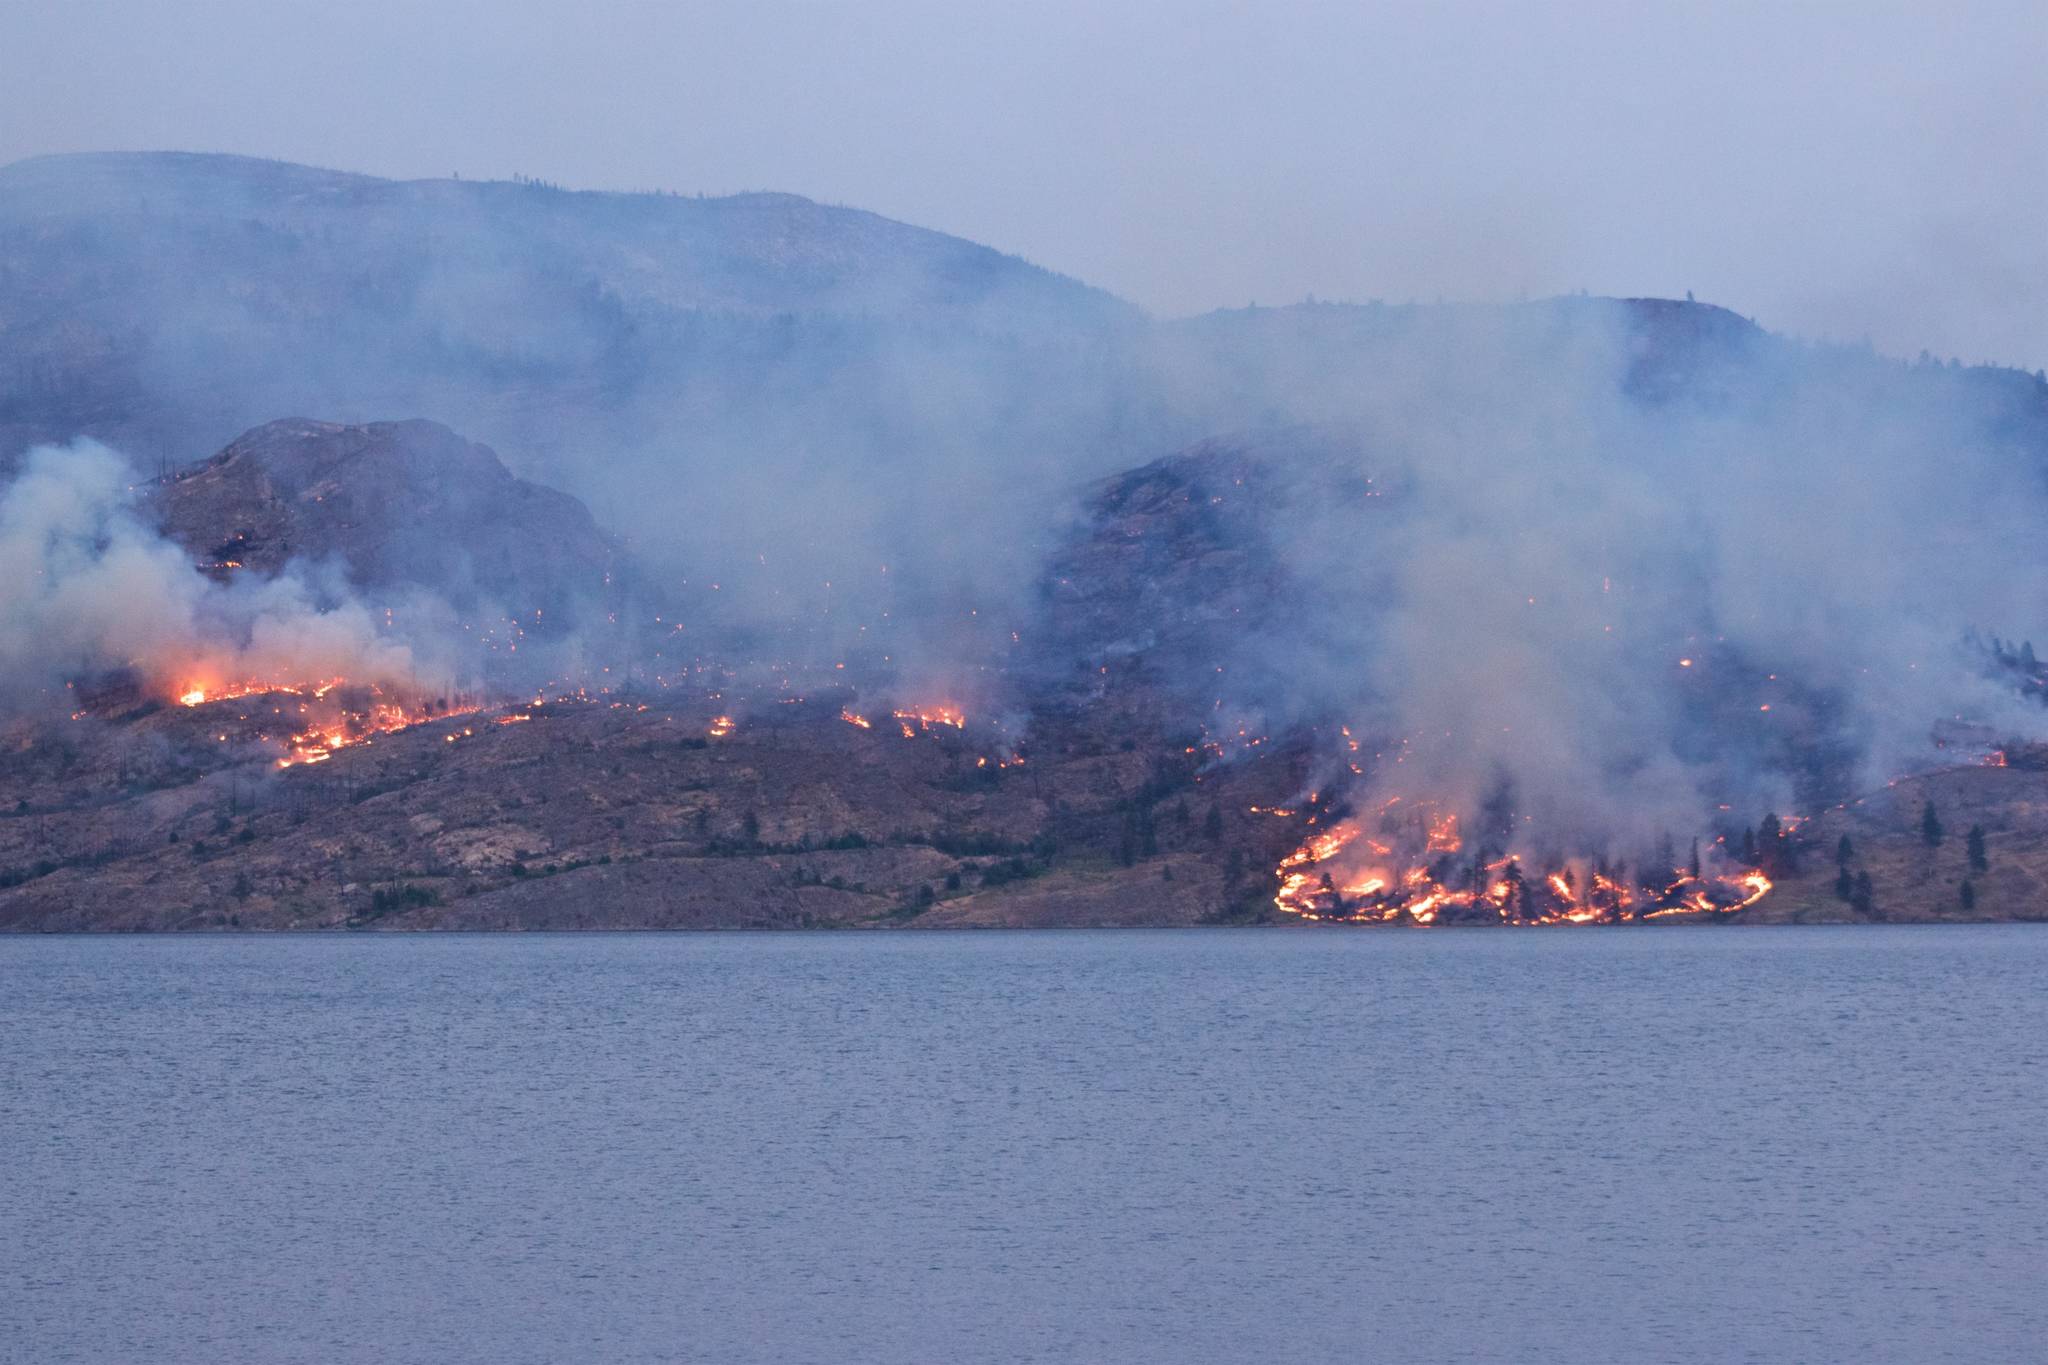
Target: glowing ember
(851, 719)
(721, 726)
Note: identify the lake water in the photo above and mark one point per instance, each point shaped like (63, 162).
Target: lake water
(1210, 1146)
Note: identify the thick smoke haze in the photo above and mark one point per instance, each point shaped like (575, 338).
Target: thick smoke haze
(1636, 613)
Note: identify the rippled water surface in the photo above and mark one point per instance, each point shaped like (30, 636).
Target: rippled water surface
(1700, 1145)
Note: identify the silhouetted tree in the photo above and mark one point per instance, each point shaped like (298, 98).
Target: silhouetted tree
(1978, 862)
(1968, 895)
(1844, 851)
(1692, 864)
(1930, 825)
(1845, 885)
(1518, 892)
(1774, 849)
(1861, 899)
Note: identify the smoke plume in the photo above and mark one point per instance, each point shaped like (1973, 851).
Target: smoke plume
(98, 590)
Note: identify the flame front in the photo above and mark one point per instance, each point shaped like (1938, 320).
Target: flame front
(1323, 880)
(322, 718)
(924, 717)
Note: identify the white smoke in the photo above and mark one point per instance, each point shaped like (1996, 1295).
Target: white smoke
(94, 588)
(1817, 545)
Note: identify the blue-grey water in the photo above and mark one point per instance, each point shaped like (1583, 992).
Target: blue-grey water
(1212, 1146)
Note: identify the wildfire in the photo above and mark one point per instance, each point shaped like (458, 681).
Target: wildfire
(721, 726)
(923, 718)
(331, 714)
(1437, 886)
(851, 719)
(199, 693)
(382, 716)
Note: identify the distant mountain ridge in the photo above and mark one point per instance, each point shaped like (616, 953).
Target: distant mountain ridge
(834, 417)
(754, 252)
(167, 301)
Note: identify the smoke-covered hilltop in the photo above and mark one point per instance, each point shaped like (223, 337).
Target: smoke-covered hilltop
(1585, 579)
(1634, 562)
(665, 358)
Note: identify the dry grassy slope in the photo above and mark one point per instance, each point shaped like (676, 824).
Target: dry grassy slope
(1912, 881)
(595, 815)
(601, 816)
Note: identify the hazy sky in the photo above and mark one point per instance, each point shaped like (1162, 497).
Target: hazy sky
(1841, 169)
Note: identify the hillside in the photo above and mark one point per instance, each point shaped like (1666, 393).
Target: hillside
(654, 810)
(1465, 613)
(633, 811)
(1115, 793)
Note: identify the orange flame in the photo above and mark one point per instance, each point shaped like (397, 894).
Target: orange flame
(1429, 890)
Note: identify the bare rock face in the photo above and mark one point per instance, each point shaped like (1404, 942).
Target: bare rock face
(1184, 557)
(1164, 554)
(394, 506)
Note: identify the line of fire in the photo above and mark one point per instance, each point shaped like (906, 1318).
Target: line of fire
(1396, 861)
